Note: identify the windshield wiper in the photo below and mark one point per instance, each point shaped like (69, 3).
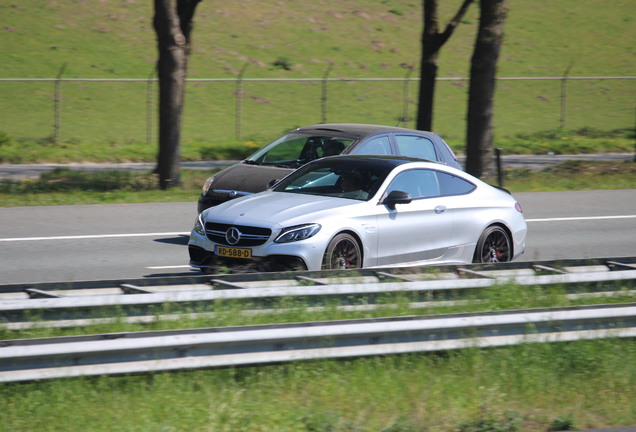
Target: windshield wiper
(284, 164)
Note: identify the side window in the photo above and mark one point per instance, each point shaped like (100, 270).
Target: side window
(452, 185)
(420, 183)
(375, 146)
(285, 151)
(416, 146)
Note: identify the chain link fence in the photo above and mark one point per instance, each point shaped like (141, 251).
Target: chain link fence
(124, 110)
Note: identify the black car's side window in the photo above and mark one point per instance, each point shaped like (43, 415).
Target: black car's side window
(375, 146)
(416, 146)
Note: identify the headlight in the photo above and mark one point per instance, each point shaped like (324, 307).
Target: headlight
(207, 185)
(199, 226)
(298, 232)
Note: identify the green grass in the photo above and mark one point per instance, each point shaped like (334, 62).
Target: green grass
(589, 382)
(360, 38)
(574, 175)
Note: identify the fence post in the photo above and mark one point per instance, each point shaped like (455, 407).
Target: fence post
(564, 95)
(500, 174)
(149, 100)
(405, 96)
(239, 100)
(57, 109)
(323, 98)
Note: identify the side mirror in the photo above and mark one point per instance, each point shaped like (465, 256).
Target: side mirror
(272, 183)
(397, 197)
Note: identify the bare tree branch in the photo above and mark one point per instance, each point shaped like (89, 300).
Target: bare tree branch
(432, 42)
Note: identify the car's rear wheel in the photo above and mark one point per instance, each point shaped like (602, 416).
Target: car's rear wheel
(493, 246)
(343, 252)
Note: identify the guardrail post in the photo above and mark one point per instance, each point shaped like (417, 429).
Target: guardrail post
(57, 120)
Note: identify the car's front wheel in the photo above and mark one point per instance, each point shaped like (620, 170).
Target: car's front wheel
(343, 252)
(493, 246)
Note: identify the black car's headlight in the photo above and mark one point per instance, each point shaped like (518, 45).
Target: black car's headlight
(207, 185)
(199, 226)
(298, 232)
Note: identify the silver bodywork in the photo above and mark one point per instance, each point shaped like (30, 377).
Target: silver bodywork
(428, 230)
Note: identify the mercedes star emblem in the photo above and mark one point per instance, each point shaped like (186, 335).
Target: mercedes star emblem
(233, 235)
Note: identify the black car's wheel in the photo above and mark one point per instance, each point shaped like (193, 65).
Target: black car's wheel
(343, 252)
(494, 246)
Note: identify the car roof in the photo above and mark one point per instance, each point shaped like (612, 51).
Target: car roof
(389, 161)
(358, 129)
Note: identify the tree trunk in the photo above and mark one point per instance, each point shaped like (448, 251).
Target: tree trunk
(173, 25)
(432, 42)
(483, 70)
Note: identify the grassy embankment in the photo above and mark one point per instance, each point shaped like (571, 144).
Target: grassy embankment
(105, 121)
(528, 388)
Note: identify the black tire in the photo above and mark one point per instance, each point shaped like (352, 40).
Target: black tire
(343, 252)
(494, 246)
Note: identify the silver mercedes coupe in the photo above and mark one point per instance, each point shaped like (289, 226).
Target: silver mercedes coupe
(345, 212)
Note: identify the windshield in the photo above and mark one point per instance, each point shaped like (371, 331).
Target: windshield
(344, 178)
(295, 149)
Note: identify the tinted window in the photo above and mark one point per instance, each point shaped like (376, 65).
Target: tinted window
(452, 185)
(419, 183)
(416, 146)
(375, 146)
(296, 149)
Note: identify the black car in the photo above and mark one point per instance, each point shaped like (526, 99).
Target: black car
(296, 148)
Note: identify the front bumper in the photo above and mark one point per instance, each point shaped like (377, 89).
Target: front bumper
(304, 255)
(207, 262)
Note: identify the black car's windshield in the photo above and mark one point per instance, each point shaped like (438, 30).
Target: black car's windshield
(294, 150)
(353, 179)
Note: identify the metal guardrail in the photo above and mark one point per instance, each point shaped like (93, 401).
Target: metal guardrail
(85, 303)
(143, 352)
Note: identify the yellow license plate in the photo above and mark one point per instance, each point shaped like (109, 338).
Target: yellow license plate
(233, 252)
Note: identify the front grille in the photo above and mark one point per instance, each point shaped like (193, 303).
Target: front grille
(250, 236)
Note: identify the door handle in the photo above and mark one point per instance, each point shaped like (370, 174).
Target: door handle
(440, 209)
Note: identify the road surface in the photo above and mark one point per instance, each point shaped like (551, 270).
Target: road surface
(115, 241)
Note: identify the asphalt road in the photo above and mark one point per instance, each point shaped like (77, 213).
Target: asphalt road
(121, 241)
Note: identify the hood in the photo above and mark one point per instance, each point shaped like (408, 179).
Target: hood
(282, 208)
(243, 177)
